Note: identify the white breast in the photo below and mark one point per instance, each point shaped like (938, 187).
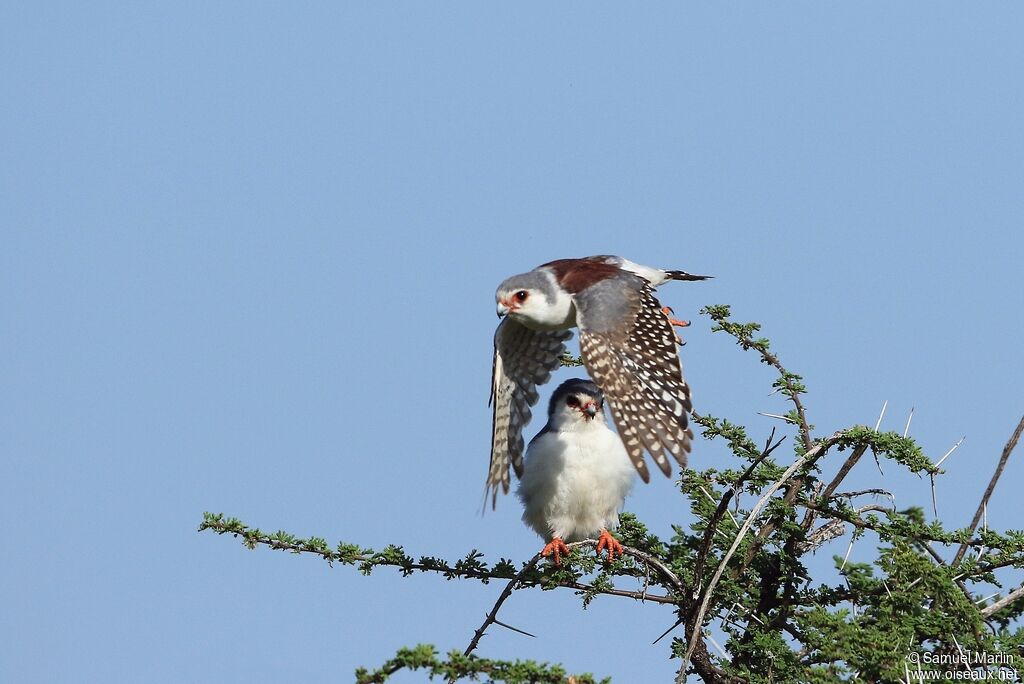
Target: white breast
(575, 482)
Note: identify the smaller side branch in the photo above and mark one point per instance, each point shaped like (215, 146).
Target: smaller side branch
(1007, 450)
(650, 561)
(830, 489)
(990, 610)
(492, 616)
(723, 505)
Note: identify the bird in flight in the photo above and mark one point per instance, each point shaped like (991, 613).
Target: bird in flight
(576, 474)
(627, 344)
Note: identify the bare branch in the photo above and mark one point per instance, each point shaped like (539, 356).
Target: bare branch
(1007, 450)
(989, 610)
(492, 616)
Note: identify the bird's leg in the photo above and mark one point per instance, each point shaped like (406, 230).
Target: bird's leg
(667, 310)
(557, 547)
(607, 541)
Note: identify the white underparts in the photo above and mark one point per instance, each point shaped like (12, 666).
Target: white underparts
(575, 481)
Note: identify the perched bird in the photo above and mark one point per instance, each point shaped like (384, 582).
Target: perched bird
(627, 344)
(577, 474)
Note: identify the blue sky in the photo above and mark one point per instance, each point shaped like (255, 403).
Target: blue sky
(248, 261)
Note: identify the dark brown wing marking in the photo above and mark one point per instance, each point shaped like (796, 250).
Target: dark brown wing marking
(633, 358)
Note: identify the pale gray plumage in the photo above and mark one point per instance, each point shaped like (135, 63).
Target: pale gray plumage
(627, 344)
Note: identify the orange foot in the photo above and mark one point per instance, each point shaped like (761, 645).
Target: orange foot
(667, 310)
(557, 547)
(607, 541)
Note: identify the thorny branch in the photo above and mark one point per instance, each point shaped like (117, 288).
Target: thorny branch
(492, 616)
(694, 624)
(528, 576)
(723, 505)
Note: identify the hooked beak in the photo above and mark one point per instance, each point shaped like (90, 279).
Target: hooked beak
(590, 409)
(502, 310)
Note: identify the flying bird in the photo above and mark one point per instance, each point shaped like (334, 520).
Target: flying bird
(577, 474)
(628, 347)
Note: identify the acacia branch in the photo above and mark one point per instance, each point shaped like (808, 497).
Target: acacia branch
(712, 525)
(989, 610)
(394, 557)
(844, 470)
(492, 616)
(1007, 450)
(788, 382)
(694, 623)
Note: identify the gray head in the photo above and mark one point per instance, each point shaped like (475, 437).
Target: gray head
(524, 291)
(577, 400)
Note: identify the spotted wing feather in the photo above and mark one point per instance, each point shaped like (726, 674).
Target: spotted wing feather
(523, 359)
(630, 351)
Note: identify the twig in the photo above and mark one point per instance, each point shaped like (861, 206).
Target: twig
(492, 616)
(1010, 444)
(844, 470)
(253, 538)
(861, 492)
(827, 532)
(987, 611)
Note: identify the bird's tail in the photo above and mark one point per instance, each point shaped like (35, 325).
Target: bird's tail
(683, 275)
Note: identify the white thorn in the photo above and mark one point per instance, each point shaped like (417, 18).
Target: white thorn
(909, 418)
(958, 646)
(879, 423)
(715, 644)
(775, 415)
(986, 598)
(712, 500)
(848, 550)
(952, 449)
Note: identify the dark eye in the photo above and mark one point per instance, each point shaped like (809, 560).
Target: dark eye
(571, 400)
(522, 295)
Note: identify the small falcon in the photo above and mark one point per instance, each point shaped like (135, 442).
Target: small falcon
(577, 474)
(627, 344)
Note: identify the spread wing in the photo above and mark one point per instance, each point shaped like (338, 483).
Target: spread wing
(523, 359)
(630, 351)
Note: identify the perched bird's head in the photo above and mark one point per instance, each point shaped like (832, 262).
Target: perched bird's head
(575, 402)
(535, 300)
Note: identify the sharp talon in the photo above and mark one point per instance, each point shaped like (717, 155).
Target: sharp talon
(607, 542)
(555, 546)
(667, 310)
